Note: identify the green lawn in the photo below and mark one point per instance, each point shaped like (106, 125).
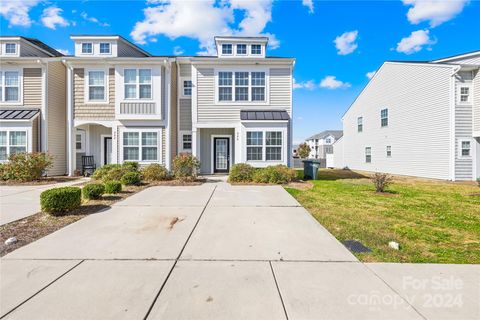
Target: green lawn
(434, 221)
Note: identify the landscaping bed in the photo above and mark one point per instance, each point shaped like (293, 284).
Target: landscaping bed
(433, 221)
(42, 181)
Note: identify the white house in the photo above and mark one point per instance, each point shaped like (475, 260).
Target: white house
(418, 119)
(321, 143)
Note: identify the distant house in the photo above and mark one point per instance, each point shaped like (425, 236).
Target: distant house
(321, 143)
(418, 119)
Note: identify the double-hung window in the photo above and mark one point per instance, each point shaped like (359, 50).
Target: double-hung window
(225, 84)
(384, 117)
(96, 86)
(268, 149)
(138, 83)
(87, 48)
(187, 87)
(258, 86)
(389, 151)
(187, 141)
(241, 49)
(10, 48)
(9, 86)
(273, 145)
(227, 48)
(104, 48)
(465, 148)
(12, 142)
(464, 94)
(80, 141)
(256, 49)
(359, 124)
(368, 154)
(140, 146)
(254, 146)
(241, 86)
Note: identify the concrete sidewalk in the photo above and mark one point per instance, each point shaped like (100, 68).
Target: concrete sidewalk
(217, 251)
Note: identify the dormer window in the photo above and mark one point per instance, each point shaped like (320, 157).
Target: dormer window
(87, 48)
(10, 48)
(256, 49)
(227, 48)
(241, 49)
(104, 48)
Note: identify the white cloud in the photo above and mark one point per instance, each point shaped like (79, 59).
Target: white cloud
(345, 43)
(16, 12)
(299, 118)
(64, 51)
(177, 50)
(370, 74)
(415, 42)
(330, 82)
(178, 18)
(309, 5)
(86, 17)
(308, 85)
(51, 18)
(434, 11)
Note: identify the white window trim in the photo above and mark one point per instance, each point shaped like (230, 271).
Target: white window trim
(146, 129)
(182, 93)
(9, 53)
(180, 141)
(82, 141)
(28, 131)
(241, 54)
(359, 124)
(102, 148)
(227, 54)
(249, 101)
(86, 86)
(470, 100)
(100, 48)
(381, 118)
(264, 145)
(386, 151)
(137, 83)
(256, 54)
(86, 53)
(20, 87)
(459, 153)
(365, 154)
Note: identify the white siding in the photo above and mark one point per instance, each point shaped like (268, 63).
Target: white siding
(338, 154)
(418, 102)
(281, 88)
(476, 104)
(475, 60)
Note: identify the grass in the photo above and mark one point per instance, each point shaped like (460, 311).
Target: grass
(434, 221)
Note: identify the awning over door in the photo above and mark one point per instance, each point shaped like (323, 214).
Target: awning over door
(264, 115)
(18, 114)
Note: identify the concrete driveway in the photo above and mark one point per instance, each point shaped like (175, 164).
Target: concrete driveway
(218, 252)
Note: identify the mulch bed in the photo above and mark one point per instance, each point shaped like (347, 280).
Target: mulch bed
(44, 181)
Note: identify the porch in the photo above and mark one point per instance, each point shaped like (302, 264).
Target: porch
(215, 149)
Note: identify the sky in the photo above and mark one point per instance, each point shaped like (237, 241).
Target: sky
(337, 45)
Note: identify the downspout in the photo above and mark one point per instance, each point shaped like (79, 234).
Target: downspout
(452, 121)
(70, 127)
(42, 133)
(168, 88)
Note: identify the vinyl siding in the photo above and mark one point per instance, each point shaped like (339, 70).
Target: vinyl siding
(137, 108)
(185, 114)
(418, 102)
(475, 60)
(125, 50)
(476, 103)
(206, 147)
(28, 50)
(173, 125)
(281, 88)
(35, 135)
(185, 70)
(32, 87)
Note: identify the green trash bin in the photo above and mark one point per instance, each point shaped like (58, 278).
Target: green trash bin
(310, 169)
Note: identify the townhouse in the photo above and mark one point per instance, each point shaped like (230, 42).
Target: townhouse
(32, 100)
(418, 119)
(321, 144)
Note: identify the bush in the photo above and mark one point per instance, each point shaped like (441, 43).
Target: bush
(185, 167)
(111, 172)
(58, 201)
(93, 191)
(132, 165)
(278, 174)
(113, 187)
(241, 172)
(131, 178)
(26, 166)
(101, 172)
(381, 181)
(155, 172)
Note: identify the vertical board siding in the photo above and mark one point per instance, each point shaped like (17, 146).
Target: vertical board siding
(418, 102)
(185, 114)
(206, 147)
(137, 108)
(32, 87)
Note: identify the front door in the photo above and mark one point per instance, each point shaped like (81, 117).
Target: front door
(221, 154)
(107, 145)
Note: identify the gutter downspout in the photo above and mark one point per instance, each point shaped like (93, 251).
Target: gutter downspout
(452, 122)
(71, 165)
(168, 105)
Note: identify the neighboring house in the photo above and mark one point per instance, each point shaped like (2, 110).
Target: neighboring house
(321, 143)
(32, 100)
(417, 119)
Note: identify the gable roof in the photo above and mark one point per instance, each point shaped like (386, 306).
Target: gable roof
(38, 44)
(337, 134)
(458, 56)
(114, 37)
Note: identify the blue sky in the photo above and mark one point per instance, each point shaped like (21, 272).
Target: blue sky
(335, 43)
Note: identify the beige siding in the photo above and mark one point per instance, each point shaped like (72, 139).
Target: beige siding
(85, 111)
(32, 87)
(173, 113)
(56, 117)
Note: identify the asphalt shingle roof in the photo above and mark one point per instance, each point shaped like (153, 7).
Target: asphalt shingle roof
(337, 134)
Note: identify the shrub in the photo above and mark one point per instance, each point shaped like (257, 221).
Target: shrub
(131, 178)
(26, 166)
(278, 174)
(113, 187)
(93, 191)
(381, 181)
(111, 172)
(241, 172)
(185, 167)
(58, 201)
(154, 172)
(478, 181)
(101, 172)
(132, 165)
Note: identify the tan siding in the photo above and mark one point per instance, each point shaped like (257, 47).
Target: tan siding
(56, 117)
(32, 87)
(173, 113)
(84, 111)
(35, 135)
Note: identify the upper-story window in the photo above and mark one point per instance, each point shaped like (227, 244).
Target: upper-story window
(328, 140)
(227, 48)
(187, 87)
(384, 117)
(225, 86)
(256, 49)
(241, 86)
(9, 86)
(359, 124)
(96, 86)
(10, 48)
(105, 48)
(464, 94)
(241, 49)
(138, 83)
(258, 86)
(87, 48)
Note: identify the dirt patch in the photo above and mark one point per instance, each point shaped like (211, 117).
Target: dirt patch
(44, 181)
(173, 222)
(385, 194)
(300, 185)
(474, 195)
(177, 183)
(209, 299)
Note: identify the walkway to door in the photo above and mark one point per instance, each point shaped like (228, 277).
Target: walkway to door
(215, 252)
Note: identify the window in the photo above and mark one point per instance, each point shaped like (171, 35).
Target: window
(241, 86)
(328, 140)
(140, 146)
(187, 141)
(187, 87)
(241, 49)
(256, 49)
(96, 85)
(104, 48)
(359, 124)
(225, 86)
(12, 142)
(226, 48)
(87, 47)
(465, 148)
(384, 117)
(254, 145)
(368, 154)
(138, 83)
(273, 145)
(464, 94)
(10, 48)
(389, 151)
(258, 86)
(9, 86)
(80, 141)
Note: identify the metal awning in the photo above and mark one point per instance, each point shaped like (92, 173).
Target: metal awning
(264, 115)
(18, 114)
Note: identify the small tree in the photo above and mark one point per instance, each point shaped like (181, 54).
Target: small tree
(303, 150)
(381, 181)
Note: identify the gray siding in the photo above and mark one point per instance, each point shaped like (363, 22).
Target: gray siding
(185, 70)
(125, 50)
(206, 147)
(137, 108)
(185, 114)
(28, 50)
